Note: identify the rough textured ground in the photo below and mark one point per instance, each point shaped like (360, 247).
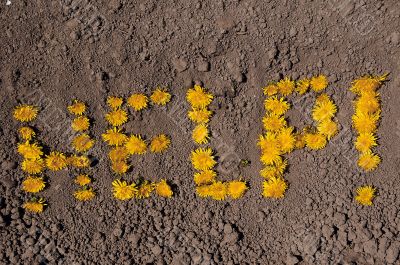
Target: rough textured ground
(54, 51)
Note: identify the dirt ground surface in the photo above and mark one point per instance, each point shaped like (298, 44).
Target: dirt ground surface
(55, 51)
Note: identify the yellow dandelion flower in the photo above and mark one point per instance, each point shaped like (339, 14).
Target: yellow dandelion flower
(82, 143)
(119, 166)
(268, 142)
(159, 143)
(204, 177)
(122, 190)
(275, 170)
(80, 161)
(367, 84)
(137, 101)
(85, 194)
(365, 195)
(114, 102)
(324, 110)
(200, 134)
(365, 123)
(365, 141)
(26, 133)
(315, 141)
(33, 166)
(302, 86)
(56, 161)
(286, 139)
(30, 151)
(318, 83)
(300, 141)
(367, 103)
(135, 145)
(218, 190)
(117, 117)
(368, 161)
(274, 188)
(80, 123)
(236, 188)
(322, 98)
(286, 86)
(33, 184)
(119, 153)
(269, 158)
(203, 191)
(25, 113)
(144, 190)
(160, 96)
(277, 106)
(273, 122)
(198, 97)
(35, 205)
(202, 159)
(328, 128)
(270, 90)
(77, 108)
(114, 137)
(82, 180)
(163, 189)
(200, 115)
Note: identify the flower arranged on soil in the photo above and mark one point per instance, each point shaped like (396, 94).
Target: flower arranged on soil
(217, 190)
(324, 110)
(274, 188)
(160, 96)
(200, 134)
(286, 86)
(273, 122)
(198, 97)
(236, 188)
(315, 141)
(78, 161)
(277, 106)
(200, 115)
(135, 145)
(144, 190)
(205, 177)
(202, 159)
(286, 140)
(118, 153)
(368, 161)
(328, 128)
(122, 190)
(114, 102)
(85, 194)
(119, 166)
(117, 117)
(163, 189)
(159, 143)
(82, 180)
(365, 119)
(35, 205)
(270, 89)
(26, 133)
(31, 166)
(56, 161)
(80, 123)
(82, 143)
(30, 151)
(365, 195)
(33, 184)
(77, 108)
(302, 85)
(114, 137)
(274, 171)
(318, 83)
(25, 113)
(137, 102)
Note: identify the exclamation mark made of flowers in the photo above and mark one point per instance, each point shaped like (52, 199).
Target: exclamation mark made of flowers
(365, 121)
(82, 143)
(202, 158)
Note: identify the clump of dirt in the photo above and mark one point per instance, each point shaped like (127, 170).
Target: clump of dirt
(55, 52)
